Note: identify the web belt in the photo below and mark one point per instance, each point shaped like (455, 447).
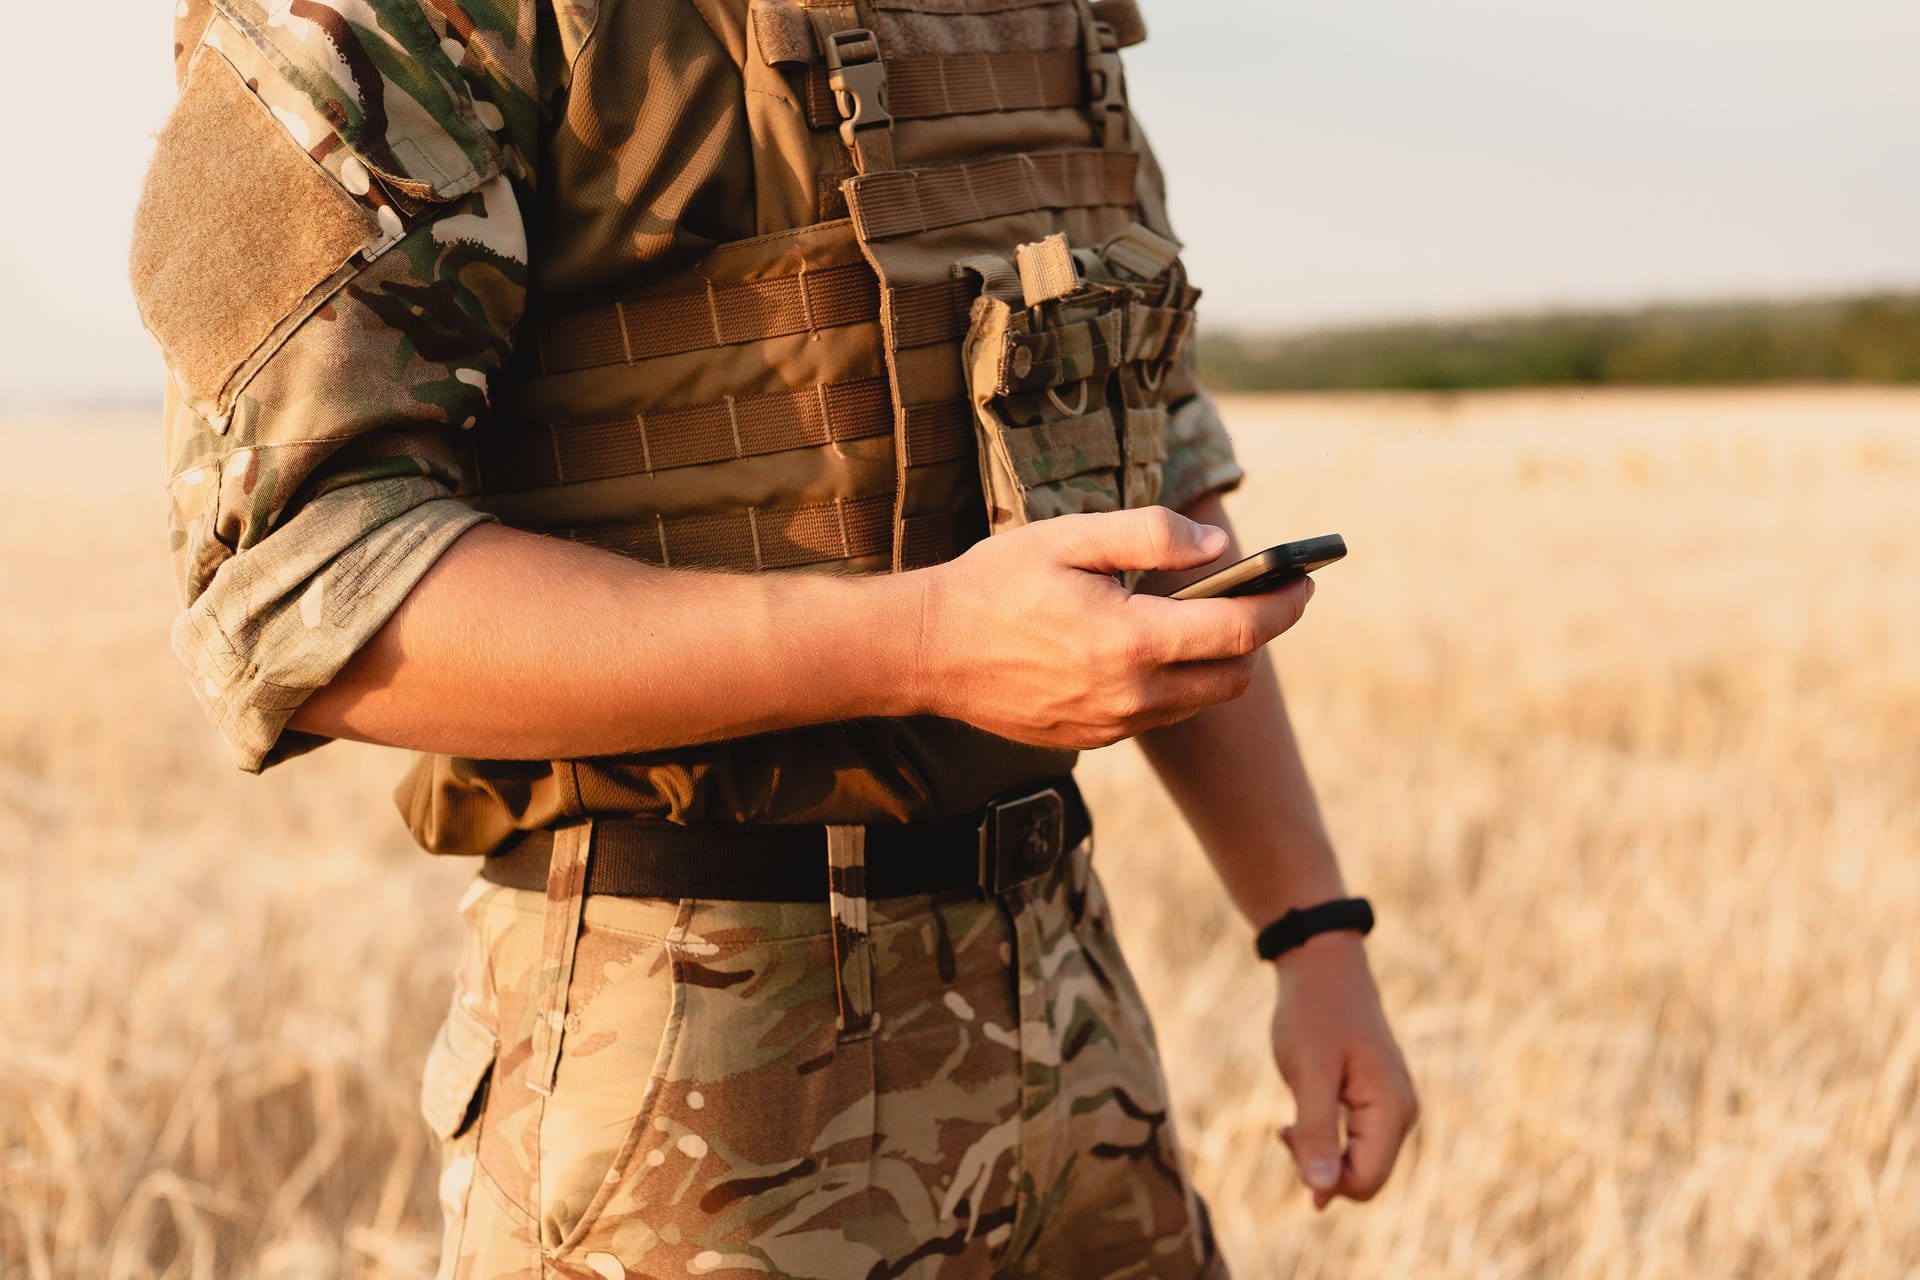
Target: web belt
(1007, 843)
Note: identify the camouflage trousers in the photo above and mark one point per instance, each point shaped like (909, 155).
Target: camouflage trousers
(637, 1087)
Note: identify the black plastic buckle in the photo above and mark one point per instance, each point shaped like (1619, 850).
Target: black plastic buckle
(1020, 839)
(859, 81)
(1106, 91)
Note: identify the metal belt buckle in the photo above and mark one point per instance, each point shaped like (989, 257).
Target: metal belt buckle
(1021, 838)
(859, 80)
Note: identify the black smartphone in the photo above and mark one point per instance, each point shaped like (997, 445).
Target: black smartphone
(1267, 570)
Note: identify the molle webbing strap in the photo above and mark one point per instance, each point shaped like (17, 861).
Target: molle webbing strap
(926, 87)
(940, 536)
(624, 331)
(530, 455)
(908, 201)
(760, 538)
(926, 314)
(535, 455)
(938, 432)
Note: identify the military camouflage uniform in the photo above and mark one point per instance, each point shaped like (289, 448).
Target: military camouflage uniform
(351, 217)
(705, 1118)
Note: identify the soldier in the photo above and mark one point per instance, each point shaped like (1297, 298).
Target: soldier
(720, 437)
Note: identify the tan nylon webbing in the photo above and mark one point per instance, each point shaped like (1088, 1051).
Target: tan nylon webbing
(668, 324)
(963, 84)
(940, 432)
(938, 538)
(908, 201)
(534, 455)
(776, 537)
(924, 314)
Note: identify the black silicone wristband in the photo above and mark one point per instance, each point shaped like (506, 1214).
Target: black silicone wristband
(1295, 927)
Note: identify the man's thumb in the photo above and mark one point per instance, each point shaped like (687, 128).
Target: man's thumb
(1314, 1136)
(1143, 538)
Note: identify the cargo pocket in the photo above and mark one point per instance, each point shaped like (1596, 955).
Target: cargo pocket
(747, 1121)
(1066, 358)
(452, 1095)
(625, 1009)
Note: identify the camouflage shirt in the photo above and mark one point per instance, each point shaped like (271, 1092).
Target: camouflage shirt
(333, 252)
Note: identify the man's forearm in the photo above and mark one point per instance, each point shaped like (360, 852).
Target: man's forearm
(517, 646)
(520, 647)
(1236, 773)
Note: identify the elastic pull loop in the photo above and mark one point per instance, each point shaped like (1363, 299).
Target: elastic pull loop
(1076, 409)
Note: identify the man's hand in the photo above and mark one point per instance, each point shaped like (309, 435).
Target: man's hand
(1333, 1047)
(1029, 636)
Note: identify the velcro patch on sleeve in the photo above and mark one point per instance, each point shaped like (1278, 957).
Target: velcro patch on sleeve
(237, 228)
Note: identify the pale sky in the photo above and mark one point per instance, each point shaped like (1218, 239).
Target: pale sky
(1331, 161)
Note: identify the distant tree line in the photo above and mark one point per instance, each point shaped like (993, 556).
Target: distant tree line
(1858, 339)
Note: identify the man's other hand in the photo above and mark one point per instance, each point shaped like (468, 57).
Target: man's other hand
(1333, 1047)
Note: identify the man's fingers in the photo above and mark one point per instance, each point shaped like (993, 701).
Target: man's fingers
(1143, 538)
(1315, 1132)
(1371, 1149)
(1380, 1111)
(1211, 630)
(1190, 686)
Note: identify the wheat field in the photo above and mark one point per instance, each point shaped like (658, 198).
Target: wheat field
(1615, 710)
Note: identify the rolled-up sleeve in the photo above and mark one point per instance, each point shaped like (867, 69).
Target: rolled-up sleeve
(1200, 458)
(330, 333)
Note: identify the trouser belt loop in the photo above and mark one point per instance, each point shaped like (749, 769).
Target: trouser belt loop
(560, 935)
(852, 947)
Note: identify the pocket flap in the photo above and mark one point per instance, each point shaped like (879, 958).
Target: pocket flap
(1066, 353)
(1053, 451)
(389, 91)
(457, 1066)
(783, 32)
(1124, 17)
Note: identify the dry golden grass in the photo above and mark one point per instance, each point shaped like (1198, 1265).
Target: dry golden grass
(1614, 709)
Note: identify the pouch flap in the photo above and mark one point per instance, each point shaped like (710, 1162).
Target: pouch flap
(389, 91)
(1141, 251)
(1156, 335)
(1046, 269)
(1124, 17)
(1055, 450)
(457, 1065)
(781, 29)
(1061, 355)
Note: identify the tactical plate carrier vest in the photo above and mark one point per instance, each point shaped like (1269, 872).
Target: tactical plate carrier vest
(892, 375)
(964, 313)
